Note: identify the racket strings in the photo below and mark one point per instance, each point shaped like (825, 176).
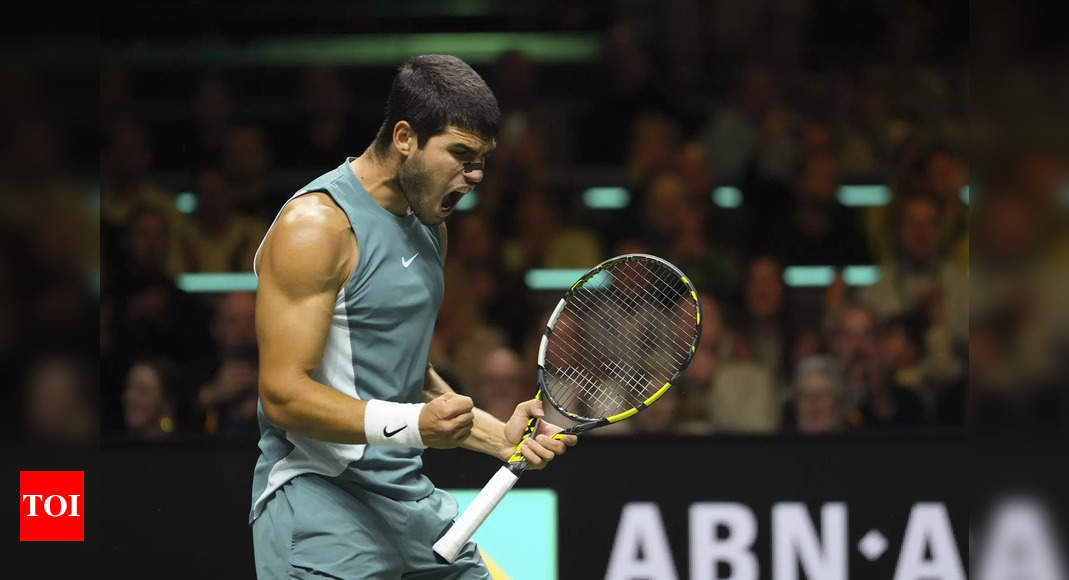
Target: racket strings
(623, 334)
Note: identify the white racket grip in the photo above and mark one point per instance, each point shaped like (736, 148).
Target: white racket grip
(451, 543)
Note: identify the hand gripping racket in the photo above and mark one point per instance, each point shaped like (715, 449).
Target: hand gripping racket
(617, 340)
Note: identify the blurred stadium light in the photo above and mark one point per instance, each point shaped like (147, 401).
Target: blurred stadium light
(217, 282)
(863, 195)
(186, 202)
(727, 197)
(802, 276)
(547, 279)
(606, 198)
(362, 50)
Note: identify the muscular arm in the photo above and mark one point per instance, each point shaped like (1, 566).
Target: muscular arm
(305, 260)
(487, 432)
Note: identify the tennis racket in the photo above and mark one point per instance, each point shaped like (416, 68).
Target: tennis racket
(615, 343)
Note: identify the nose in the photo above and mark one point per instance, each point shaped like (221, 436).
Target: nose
(473, 177)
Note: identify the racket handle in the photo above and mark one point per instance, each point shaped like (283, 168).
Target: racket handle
(451, 543)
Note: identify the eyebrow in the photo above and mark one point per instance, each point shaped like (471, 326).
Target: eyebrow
(465, 149)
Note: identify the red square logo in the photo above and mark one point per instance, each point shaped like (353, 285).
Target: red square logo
(52, 506)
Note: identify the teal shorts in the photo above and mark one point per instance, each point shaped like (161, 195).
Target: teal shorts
(313, 527)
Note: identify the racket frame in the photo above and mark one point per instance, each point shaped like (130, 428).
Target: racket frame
(453, 540)
(587, 423)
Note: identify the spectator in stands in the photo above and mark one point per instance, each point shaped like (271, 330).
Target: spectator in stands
(818, 401)
(865, 145)
(213, 115)
(664, 207)
(220, 239)
(813, 229)
(766, 326)
(152, 314)
(730, 135)
(226, 401)
(626, 87)
(126, 183)
(462, 335)
(59, 403)
(946, 174)
(653, 147)
(720, 391)
(500, 384)
(544, 241)
(919, 278)
(325, 125)
(916, 270)
(247, 158)
(902, 345)
(873, 397)
(937, 172)
(148, 407)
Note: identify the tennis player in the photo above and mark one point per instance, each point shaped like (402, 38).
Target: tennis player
(350, 280)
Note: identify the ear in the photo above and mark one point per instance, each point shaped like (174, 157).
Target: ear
(404, 138)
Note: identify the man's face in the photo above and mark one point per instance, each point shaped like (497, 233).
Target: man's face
(855, 340)
(919, 229)
(433, 179)
(818, 409)
(235, 321)
(150, 240)
(143, 397)
(764, 289)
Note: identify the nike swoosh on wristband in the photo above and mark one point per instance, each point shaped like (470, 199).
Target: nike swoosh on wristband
(392, 433)
(408, 262)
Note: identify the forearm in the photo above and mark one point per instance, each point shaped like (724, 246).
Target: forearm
(488, 436)
(487, 433)
(310, 408)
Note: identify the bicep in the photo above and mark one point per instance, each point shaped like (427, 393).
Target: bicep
(299, 278)
(291, 326)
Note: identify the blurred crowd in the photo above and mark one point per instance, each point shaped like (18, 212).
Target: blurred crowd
(191, 178)
(772, 357)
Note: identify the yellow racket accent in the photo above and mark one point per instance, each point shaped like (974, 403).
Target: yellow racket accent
(653, 398)
(622, 416)
(517, 455)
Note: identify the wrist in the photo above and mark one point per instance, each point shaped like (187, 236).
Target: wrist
(505, 453)
(393, 424)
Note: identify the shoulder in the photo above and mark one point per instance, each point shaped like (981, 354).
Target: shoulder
(310, 243)
(314, 209)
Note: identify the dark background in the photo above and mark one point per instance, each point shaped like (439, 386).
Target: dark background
(987, 79)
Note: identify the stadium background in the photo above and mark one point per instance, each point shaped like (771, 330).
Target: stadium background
(805, 162)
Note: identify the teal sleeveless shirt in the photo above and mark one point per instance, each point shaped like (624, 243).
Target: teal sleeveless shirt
(377, 346)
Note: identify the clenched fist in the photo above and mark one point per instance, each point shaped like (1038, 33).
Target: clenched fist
(446, 421)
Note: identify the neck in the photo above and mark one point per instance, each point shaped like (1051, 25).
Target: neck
(378, 175)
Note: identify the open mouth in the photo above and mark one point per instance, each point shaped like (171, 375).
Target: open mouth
(451, 200)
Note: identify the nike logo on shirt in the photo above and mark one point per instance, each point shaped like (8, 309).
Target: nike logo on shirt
(408, 262)
(386, 433)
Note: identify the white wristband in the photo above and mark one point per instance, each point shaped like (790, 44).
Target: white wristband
(393, 424)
